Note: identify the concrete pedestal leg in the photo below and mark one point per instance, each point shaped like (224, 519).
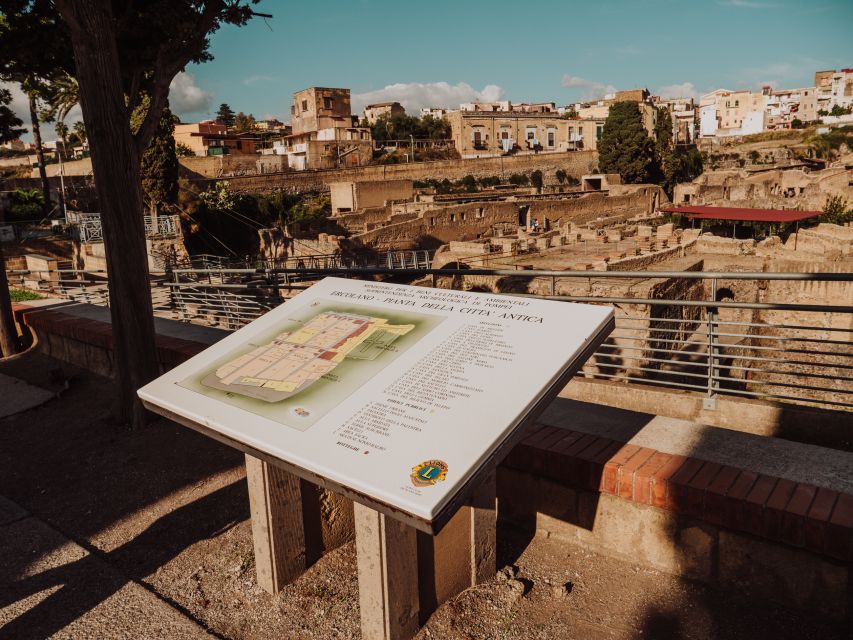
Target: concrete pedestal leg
(404, 574)
(278, 524)
(483, 514)
(387, 576)
(462, 555)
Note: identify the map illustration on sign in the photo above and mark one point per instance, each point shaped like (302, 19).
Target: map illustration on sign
(397, 396)
(300, 370)
(295, 360)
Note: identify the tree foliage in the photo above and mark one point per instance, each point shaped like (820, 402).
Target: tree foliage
(681, 164)
(225, 115)
(60, 94)
(10, 124)
(79, 130)
(159, 164)
(25, 204)
(626, 147)
(536, 180)
(835, 211)
(399, 126)
(243, 123)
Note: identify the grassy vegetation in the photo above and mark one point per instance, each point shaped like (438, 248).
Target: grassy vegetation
(22, 295)
(827, 145)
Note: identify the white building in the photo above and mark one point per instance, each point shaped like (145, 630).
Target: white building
(435, 112)
(725, 113)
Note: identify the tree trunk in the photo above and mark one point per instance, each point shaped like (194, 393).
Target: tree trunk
(8, 332)
(45, 185)
(115, 163)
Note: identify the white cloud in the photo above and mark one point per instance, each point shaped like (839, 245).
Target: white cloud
(185, 96)
(748, 4)
(414, 95)
(258, 79)
(683, 90)
(798, 71)
(591, 89)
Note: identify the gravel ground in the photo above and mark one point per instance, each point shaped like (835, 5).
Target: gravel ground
(166, 510)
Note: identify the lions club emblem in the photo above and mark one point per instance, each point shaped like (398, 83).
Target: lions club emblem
(428, 473)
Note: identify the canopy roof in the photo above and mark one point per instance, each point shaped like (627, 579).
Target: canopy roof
(742, 214)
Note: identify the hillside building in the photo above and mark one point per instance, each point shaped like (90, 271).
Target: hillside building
(373, 112)
(211, 138)
(325, 133)
(434, 112)
(482, 134)
(725, 113)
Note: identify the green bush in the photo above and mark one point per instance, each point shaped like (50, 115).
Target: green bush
(489, 181)
(26, 204)
(468, 184)
(835, 211)
(22, 295)
(536, 180)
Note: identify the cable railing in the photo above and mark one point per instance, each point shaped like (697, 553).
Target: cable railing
(680, 330)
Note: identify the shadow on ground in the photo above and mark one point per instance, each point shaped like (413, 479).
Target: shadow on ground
(134, 498)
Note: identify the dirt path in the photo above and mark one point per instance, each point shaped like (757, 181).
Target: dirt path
(163, 513)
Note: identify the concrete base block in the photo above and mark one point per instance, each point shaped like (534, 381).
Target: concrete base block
(674, 544)
(797, 578)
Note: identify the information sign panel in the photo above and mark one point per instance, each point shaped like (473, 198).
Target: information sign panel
(394, 394)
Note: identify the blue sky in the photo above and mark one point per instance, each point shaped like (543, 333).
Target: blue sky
(540, 50)
(441, 53)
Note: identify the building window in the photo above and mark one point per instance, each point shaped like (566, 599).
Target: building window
(462, 216)
(550, 138)
(598, 130)
(453, 217)
(293, 109)
(504, 135)
(531, 134)
(305, 105)
(432, 222)
(480, 212)
(327, 103)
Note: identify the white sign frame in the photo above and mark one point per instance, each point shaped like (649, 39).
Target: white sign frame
(549, 341)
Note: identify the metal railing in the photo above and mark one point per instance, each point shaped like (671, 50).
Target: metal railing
(716, 333)
(86, 227)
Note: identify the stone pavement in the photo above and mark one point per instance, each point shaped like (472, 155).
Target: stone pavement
(19, 396)
(47, 580)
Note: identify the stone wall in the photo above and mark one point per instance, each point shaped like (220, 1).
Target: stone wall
(462, 222)
(574, 163)
(219, 166)
(780, 189)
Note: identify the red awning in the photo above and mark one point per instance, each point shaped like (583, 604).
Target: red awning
(741, 214)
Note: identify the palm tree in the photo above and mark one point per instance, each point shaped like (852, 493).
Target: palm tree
(62, 131)
(79, 130)
(61, 95)
(34, 89)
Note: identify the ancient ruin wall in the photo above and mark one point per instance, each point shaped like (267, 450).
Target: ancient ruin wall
(574, 163)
